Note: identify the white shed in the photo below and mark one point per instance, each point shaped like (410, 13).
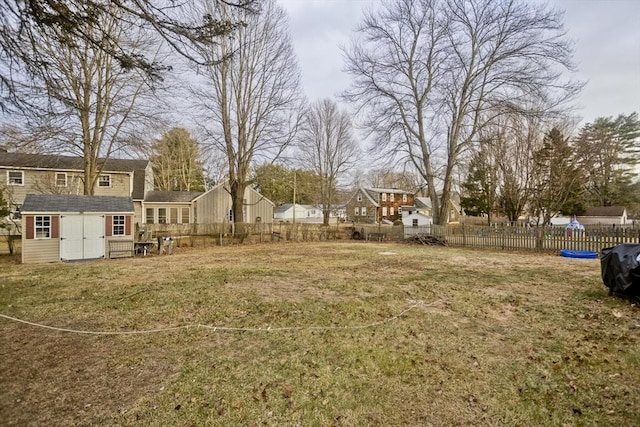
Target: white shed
(416, 223)
(70, 227)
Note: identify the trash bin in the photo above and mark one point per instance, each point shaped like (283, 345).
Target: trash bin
(620, 269)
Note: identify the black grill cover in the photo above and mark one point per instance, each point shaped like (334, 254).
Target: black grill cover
(620, 268)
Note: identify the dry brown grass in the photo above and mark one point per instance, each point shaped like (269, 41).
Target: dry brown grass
(513, 339)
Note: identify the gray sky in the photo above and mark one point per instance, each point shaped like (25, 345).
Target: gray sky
(606, 35)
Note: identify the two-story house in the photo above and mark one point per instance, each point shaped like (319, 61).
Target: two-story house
(22, 174)
(370, 205)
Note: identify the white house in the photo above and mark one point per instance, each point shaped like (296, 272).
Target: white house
(303, 213)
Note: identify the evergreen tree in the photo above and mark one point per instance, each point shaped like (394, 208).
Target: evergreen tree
(557, 178)
(608, 152)
(479, 190)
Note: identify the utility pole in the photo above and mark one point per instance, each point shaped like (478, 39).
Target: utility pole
(294, 206)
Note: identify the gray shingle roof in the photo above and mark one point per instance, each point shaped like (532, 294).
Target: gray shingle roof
(46, 161)
(53, 203)
(171, 196)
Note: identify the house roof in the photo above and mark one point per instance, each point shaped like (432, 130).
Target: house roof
(286, 206)
(53, 203)
(423, 202)
(48, 161)
(605, 211)
(171, 196)
(389, 190)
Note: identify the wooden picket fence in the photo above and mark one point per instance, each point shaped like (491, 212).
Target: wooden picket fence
(550, 239)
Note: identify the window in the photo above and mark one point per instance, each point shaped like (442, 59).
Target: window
(61, 179)
(15, 178)
(162, 215)
(404, 198)
(359, 197)
(357, 211)
(150, 218)
(391, 211)
(399, 210)
(43, 227)
(364, 211)
(384, 197)
(185, 215)
(415, 222)
(104, 181)
(174, 215)
(384, 211)
(391, 197)
(118, 225)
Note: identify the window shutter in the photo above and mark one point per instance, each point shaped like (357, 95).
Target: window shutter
(55, 228)
(108, 225)
(127, 225)
(30, 226)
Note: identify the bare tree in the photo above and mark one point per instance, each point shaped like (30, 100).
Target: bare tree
(66, 23)
(430, 74)
(251, 101)
(390, 178)
(89, 100)
(327, 147)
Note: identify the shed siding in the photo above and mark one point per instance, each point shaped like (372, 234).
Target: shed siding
(213, 207)
(44, 250)
(258, 207)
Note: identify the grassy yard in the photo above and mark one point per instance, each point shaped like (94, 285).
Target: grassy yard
(484, 338)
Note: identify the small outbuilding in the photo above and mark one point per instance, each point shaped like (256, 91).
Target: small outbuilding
(604, 215)
(70, 227)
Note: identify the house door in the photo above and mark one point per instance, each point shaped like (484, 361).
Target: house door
(81, 237)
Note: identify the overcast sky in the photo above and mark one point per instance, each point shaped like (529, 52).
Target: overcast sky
(606, 35)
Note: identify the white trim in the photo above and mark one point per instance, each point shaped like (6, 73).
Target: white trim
(123, 225)
(42, 227)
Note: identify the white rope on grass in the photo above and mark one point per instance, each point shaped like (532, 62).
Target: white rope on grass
(229, 328)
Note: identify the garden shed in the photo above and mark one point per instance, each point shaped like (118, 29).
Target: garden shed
(71, 227)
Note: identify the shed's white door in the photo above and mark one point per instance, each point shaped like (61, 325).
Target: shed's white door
(81, 237)
(93, 236)
(71, 237)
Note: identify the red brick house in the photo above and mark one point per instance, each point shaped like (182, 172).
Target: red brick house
(371, 205)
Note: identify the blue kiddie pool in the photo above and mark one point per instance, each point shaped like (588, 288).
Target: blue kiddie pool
(567, 253)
